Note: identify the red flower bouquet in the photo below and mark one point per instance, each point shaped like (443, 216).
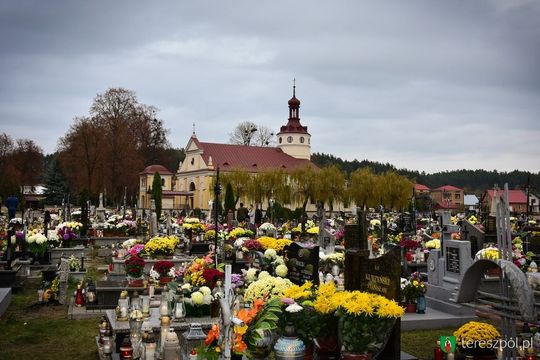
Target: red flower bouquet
(163, 267)
(134, 266)
(211, 276)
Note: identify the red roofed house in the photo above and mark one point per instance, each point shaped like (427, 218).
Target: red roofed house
(447, 197)
(517, 199)
(420, 189)
(202, 158)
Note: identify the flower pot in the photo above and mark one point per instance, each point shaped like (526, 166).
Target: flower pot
(327, 347)
(135, 282)
(410, 308)
(310, 348)
(164, 280)
(353, 356)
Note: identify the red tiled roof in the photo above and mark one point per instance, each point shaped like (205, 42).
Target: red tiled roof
(514, 196)
(420, 187)
(162, 170)
(250, 158)
(448, 188)
(444, 205)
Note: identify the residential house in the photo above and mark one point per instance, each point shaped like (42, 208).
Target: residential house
(517, 199)
(447, 197)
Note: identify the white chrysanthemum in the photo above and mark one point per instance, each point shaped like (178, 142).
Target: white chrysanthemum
(264, 274)
(205, 290)
(251, 275)
(270, 254)
(279, 260)
(197, 297)
(293, 308)
(186, 286)
(207, 299)
(281, 270)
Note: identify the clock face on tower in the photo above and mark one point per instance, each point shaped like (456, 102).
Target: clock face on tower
(289, 139)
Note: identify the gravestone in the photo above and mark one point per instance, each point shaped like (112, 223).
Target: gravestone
(63, 275)
(100, 211)
(327, 241)
(474, 235)
(153, 220)
(303, 263)
(257, 261)
(446, 268)
(378, 275)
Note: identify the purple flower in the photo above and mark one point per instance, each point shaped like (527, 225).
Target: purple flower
(19, 235)
(66, 236)
(287, 301)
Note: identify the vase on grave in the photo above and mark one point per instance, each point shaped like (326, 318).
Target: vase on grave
(421, 304)
(263, 347)
(289, 346)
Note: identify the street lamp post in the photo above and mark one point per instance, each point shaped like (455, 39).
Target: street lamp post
(217, 192)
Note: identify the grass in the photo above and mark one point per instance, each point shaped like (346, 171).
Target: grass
(421, 343)
(32, 331)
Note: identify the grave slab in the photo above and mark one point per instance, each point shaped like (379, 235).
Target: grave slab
(433, 319)
(5, 300)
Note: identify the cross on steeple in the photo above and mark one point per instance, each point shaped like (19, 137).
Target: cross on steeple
(193, 128)
(294, 87)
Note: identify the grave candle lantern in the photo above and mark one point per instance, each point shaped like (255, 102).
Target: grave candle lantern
(145, 305)
(150, 347)
(126, 350)
(123, 305)
(165, 326)
(191, 339)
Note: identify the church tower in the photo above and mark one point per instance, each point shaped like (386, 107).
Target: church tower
(294, 138)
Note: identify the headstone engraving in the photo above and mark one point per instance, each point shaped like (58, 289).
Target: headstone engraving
(452, 260)
(303, 263)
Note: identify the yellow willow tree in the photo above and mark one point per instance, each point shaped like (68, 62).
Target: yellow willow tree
(305, 186)
(240, 180)
(331, 186)
(269, 184)
(364, 188)
(396, 190)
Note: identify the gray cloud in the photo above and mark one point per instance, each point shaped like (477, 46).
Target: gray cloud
(429, 85)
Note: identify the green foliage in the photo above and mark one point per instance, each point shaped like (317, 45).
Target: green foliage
(157, 193)
(266, 320)
(229, 198)
(55, 182)
(472, 181)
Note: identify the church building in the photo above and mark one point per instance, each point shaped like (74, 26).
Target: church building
(193, 180)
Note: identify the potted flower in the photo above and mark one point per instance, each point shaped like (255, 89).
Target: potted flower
(411, 289)
(365, 322)
(163, 268)
(74, 263)
(479, 333)
(134, 266)
(37, 245)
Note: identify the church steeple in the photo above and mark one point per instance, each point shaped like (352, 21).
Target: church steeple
(293, 138)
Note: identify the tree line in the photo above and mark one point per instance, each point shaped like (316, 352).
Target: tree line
(328, 185)
(472, 181)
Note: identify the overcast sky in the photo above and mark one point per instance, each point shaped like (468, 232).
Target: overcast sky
(428, 85)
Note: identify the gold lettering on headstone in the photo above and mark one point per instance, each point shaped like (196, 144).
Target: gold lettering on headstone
(377, 283)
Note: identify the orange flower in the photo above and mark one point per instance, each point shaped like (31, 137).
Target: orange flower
(239, 344)
(213, 334)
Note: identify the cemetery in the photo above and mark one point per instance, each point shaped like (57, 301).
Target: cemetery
(180, 287)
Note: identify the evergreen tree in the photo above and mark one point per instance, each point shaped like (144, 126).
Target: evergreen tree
(55, 183)
(229, 199)
(157, 193)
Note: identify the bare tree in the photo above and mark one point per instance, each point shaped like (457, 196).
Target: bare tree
(264, 136)
(250, 134)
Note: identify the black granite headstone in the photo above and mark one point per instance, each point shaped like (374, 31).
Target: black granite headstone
(452, 260)
(303, 263)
